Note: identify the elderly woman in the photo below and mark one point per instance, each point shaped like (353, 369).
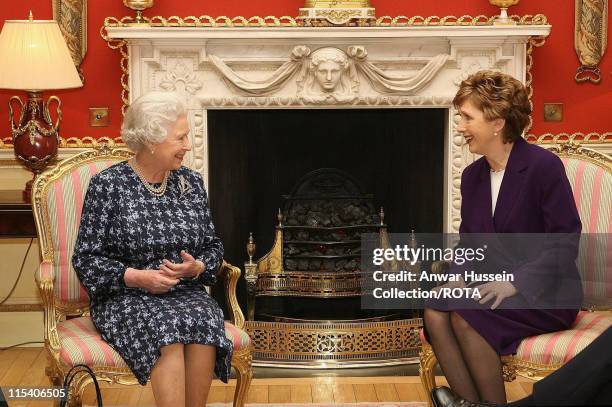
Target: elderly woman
(515, 187)
(146, 248)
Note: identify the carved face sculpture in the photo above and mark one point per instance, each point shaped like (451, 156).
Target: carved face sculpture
(328, 74)
(328, 65)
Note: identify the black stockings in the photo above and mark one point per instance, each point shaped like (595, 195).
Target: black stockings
(472, 367)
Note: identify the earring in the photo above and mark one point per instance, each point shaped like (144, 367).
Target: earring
(153, 151)
(495, 133)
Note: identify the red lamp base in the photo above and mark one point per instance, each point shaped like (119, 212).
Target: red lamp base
(35, 137)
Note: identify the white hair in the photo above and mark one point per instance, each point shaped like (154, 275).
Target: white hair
(148, 118)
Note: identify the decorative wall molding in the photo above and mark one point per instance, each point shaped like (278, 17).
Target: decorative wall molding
(582, 138)
(22, 307)
(601, 142)
(8, 160)
(288, 21)
(181, 79)
(299, 101)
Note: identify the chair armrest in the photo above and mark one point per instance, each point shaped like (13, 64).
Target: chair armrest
(45, 273)
(45, 277)
(231, 274)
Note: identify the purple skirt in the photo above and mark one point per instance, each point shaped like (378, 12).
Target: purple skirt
(504, 329)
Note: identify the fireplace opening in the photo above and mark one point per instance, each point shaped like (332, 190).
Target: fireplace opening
(256, 157)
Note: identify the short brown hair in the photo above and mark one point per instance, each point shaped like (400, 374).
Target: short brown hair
(499, 96)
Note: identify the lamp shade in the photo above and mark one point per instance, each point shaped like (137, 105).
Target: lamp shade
(34, 56)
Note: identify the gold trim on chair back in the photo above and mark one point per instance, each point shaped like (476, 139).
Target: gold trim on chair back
(53, 197)
(575, 150)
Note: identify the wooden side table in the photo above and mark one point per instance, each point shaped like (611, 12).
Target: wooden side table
(16, 217)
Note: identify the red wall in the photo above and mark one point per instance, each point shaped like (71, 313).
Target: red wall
(587, 107)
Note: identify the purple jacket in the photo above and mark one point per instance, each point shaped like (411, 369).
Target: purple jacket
(535, 197)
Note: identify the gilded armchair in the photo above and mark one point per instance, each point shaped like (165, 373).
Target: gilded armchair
(590, 175)
(70, 336)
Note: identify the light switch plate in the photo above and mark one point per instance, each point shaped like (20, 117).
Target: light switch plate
(553, 112)
(98, 117)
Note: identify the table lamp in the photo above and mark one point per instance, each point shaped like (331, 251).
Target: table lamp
(34, 57)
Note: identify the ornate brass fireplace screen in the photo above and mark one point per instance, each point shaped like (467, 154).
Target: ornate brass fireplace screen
(317, 254)
(335, 344)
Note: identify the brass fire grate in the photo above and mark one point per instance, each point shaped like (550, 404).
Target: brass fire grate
(335, 344)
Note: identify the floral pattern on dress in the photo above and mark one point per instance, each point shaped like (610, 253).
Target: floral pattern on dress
(123, 225)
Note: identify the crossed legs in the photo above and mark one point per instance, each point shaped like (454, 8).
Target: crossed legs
(471, 366)
(182, 375)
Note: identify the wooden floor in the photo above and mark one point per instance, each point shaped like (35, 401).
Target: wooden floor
(26, 367)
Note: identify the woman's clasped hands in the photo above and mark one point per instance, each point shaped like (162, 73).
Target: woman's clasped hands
(189, 268)
(167, 276)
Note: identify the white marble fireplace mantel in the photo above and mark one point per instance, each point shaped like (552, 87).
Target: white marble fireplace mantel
(339, 67)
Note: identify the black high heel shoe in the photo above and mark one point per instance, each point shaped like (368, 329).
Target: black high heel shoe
(445, 397)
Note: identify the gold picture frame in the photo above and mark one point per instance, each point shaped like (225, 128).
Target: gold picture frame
(71, 16)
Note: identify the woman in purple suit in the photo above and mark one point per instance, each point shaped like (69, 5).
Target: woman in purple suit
(515, 187)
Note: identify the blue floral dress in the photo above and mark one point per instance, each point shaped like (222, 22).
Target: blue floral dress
(123, 225)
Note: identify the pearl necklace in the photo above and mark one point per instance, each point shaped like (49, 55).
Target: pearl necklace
(155, 191)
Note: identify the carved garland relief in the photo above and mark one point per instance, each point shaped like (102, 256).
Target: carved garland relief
(328, 75)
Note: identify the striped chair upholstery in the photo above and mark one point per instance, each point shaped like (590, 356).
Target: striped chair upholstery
(239, 338)
(592, 186)
(559, 347)
(65, 201)
(81, 343)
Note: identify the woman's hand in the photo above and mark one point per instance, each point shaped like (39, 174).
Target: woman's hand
(500, 290)
(153, 281)
(189, 268)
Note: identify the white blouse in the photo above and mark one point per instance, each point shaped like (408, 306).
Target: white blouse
(496, 180)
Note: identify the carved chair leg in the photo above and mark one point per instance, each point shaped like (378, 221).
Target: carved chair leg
(242, 364)
(74, 398)
(427, 363)
(77, 387)
(508, 370)
(55, 378)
